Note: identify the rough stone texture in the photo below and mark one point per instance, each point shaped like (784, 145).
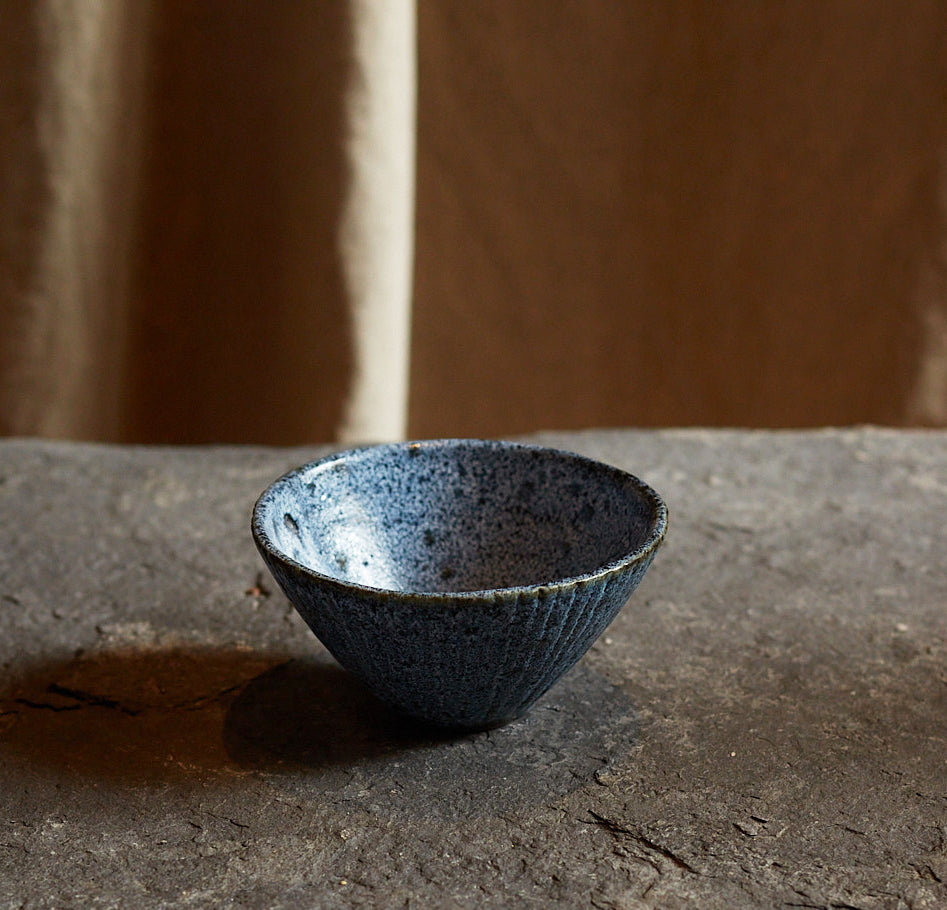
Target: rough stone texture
(765, 724)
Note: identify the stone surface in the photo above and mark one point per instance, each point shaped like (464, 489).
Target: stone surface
(764, 725)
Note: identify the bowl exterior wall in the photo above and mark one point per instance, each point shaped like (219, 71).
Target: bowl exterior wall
(470, 662)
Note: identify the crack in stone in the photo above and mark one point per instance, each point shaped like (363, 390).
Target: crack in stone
(44, 706)
(90, 698)
(86, 699)
(925, 871)
(225, 818)
(646, 842)
(831, 905)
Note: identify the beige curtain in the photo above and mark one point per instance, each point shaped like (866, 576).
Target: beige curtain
(627, 213)
(207, 218)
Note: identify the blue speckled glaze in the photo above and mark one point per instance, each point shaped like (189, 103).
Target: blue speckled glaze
(458, 578)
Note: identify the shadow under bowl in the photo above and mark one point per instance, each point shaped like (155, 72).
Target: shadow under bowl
(459, 579)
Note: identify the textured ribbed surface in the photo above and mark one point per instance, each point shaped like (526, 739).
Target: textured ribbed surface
(468, 665)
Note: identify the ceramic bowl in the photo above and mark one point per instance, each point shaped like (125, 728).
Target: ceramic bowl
(459, 579)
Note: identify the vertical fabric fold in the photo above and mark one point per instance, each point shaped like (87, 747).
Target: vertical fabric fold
(70, 116)
(377, 233)
(206, 219)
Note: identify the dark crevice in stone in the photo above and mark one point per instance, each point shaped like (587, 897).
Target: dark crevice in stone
(646, 842)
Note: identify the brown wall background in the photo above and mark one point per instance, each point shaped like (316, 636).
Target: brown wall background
(628, 213)
(679, 213)
(239, 318)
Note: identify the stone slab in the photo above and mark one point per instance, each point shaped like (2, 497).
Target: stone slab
(764, 725)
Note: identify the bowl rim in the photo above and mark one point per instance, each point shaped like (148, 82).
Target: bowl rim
(658, 524)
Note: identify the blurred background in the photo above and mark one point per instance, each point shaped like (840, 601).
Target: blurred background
(304, 221)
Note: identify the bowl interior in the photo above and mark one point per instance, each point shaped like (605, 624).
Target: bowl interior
(456, 516)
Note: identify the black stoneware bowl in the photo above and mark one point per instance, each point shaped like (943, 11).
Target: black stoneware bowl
(458, 578)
